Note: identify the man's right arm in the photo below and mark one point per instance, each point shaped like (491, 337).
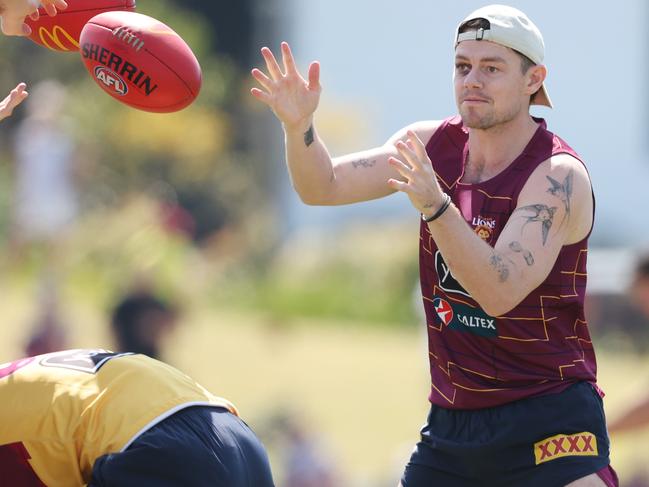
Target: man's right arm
(322, 180)
(318, 178)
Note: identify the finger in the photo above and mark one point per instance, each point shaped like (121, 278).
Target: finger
(262, 79)
(261, 95)
(398, 185)
(271, 63)
(35, 15)
(314, 76)
(288, 59)
(404, 169)
(50, 8)
(407, 153)
(417, 145)
(12, 26)
(61, 4)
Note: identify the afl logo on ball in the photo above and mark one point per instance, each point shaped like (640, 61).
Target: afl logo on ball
(444, 310)
(111, 80)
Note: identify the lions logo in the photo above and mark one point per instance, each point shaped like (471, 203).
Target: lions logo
(484, 232)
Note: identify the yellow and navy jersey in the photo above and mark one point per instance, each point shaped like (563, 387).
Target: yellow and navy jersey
(61, 411)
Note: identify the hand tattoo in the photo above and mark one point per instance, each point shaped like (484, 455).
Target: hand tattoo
(308, 136)
(540, 213)
(500, 266)
(527, 255)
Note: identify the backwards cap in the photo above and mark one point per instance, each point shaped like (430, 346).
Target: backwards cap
(511, 28)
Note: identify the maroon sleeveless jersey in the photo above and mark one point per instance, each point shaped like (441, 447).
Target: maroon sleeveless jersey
(543, 344)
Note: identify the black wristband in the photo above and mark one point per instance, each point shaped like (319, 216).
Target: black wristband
(440, 212)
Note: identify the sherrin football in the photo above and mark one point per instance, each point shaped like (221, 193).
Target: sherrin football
(140, 61)
(61, 32)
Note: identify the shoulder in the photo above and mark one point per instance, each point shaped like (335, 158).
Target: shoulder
(561, 182)
(424, 130)
(562, 168)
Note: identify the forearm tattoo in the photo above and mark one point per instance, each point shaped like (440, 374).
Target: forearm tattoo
(500, 266)
(563, 191)
(308, 136)
(540, 213)
(527, 255)
(364, 163)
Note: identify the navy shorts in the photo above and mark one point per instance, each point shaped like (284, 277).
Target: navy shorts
(195, 447)
(544, 441)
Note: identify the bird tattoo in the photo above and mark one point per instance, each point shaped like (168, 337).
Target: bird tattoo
(540, 213)
(563, 191)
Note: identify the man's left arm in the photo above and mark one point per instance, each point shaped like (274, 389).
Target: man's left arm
(555, 208)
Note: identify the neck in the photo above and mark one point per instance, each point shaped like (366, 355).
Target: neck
(492, 150)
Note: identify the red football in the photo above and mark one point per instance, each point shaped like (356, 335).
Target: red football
(61, 33)
(140, 61)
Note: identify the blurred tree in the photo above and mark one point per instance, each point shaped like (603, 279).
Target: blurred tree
(200, 154)
(232, 26)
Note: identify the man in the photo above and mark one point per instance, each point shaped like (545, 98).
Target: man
(637, 415)
(506, 209)
(100, 418)
(12, 100)
(13, 13)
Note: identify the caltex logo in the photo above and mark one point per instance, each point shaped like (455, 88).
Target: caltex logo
(443, 310)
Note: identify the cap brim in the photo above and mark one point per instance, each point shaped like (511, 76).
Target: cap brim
(542, 98)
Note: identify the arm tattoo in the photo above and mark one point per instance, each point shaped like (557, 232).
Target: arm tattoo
(540, 213)
(364, 163)
(563, 191)
(500, 266)
(527, 255)
(308, 136)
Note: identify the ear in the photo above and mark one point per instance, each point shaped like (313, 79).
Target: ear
(535, 77)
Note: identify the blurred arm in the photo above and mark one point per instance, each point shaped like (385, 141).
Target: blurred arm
(15, 98)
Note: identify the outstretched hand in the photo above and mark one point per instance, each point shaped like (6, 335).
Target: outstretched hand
(13, 13)
(292, 98)
(419, 180)
(15, 98)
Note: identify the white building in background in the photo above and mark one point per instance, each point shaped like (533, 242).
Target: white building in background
(386, 64)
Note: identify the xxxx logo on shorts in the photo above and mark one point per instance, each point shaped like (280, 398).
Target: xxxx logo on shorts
(559, 446)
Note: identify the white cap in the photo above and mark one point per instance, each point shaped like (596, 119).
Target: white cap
(511, 28)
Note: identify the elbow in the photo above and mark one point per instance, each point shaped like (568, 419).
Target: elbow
(496, 309)
(313, 198)
(309, 199)
(499, 304)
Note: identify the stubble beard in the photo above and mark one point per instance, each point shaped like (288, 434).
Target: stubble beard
(487, 121)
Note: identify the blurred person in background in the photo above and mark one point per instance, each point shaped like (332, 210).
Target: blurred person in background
(98, 418)
(13, 13)
(141, 320)
(506, 210)
(637, 415)
(48, 331)
(45, 197)
(305, 460)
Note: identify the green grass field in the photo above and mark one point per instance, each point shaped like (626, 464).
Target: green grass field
(363, 389)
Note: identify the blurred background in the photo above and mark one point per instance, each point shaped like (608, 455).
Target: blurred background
(184, 227)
